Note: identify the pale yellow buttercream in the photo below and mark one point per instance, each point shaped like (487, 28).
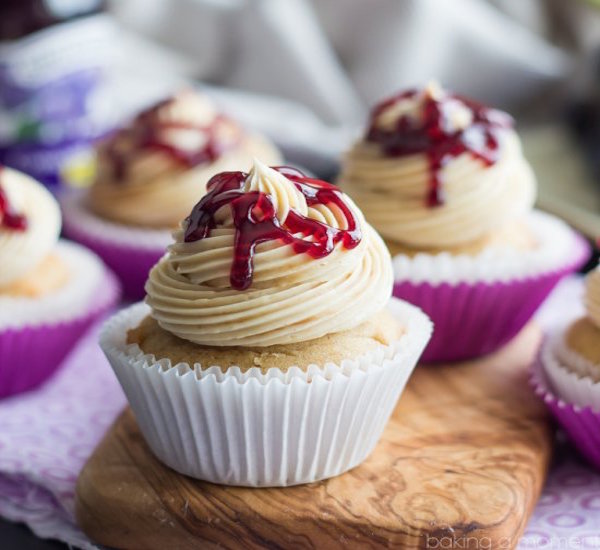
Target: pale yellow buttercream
(392, 191)
(157, 189)
(293, 297)
(22, 251)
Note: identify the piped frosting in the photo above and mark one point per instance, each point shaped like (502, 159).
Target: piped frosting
(269, 257)
(151, 170)
(437, 169)
(29, 225)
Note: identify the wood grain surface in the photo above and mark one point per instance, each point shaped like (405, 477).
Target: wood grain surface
(460, 465)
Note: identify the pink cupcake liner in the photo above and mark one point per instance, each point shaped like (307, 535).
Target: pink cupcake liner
(581, 424)
(130, 264)
(474, 319)
(30, 355)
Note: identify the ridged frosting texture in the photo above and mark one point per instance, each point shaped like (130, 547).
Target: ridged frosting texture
(592, 296)
(478, 196)
(147, 185)
(22, 250)
(293, 296)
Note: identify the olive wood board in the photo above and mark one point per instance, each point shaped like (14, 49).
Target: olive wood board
(460, 464)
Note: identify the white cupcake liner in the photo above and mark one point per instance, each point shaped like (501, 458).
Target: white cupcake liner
(495, 264)
(86, 272)
(77, 218)
(575, 362)
(272, 429)
(566, 377)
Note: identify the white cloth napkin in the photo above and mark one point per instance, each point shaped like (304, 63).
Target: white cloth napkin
(307, 71)
(46, 436)
(339, 56)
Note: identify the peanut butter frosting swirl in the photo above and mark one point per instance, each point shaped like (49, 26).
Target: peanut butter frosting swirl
(438, 170)
(592, 296)
(150, 171)
(23, 245)
(303, 284)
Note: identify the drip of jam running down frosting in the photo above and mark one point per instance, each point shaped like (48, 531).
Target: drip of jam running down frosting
(145, 134)
(435, 137)
(10, 219)
(255, 220)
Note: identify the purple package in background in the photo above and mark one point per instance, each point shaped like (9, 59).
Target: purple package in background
(53, 99)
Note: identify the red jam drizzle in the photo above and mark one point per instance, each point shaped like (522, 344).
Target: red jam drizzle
(434, 136)
(255, 220)
(145, 134)
(9, 219)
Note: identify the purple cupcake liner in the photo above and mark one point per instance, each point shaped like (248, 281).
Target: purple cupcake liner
(30, 355)
(474, 319)
(581, 424)
(130, 264)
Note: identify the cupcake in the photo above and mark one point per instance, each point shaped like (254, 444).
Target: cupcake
(444, 181)
(567, 374)
(148, 174)
(50, 291)
(269, 351)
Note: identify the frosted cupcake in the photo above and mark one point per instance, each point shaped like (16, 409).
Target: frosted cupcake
(50, 290)
(269, 351)
(443, 179)
(148, 173)
(567, 375)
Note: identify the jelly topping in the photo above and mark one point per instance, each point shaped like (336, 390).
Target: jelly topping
(447, 125)
(149, 131)
(255, 220)
(9, 218)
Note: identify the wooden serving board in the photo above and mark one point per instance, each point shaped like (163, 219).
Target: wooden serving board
(460, 465)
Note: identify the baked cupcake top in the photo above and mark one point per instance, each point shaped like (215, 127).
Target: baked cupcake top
(150, 170)
(572, 358)
(579, 347)
(269, 257)
(29, 224)
(592, 297)
(435, 169)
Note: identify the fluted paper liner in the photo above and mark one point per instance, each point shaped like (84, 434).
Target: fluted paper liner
(479, 303)
(574, 401)
(271, 429)
(31, 349)
(129, 251)
(565, 356)
(567, 378)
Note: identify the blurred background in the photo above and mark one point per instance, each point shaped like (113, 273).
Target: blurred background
(305, 72)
